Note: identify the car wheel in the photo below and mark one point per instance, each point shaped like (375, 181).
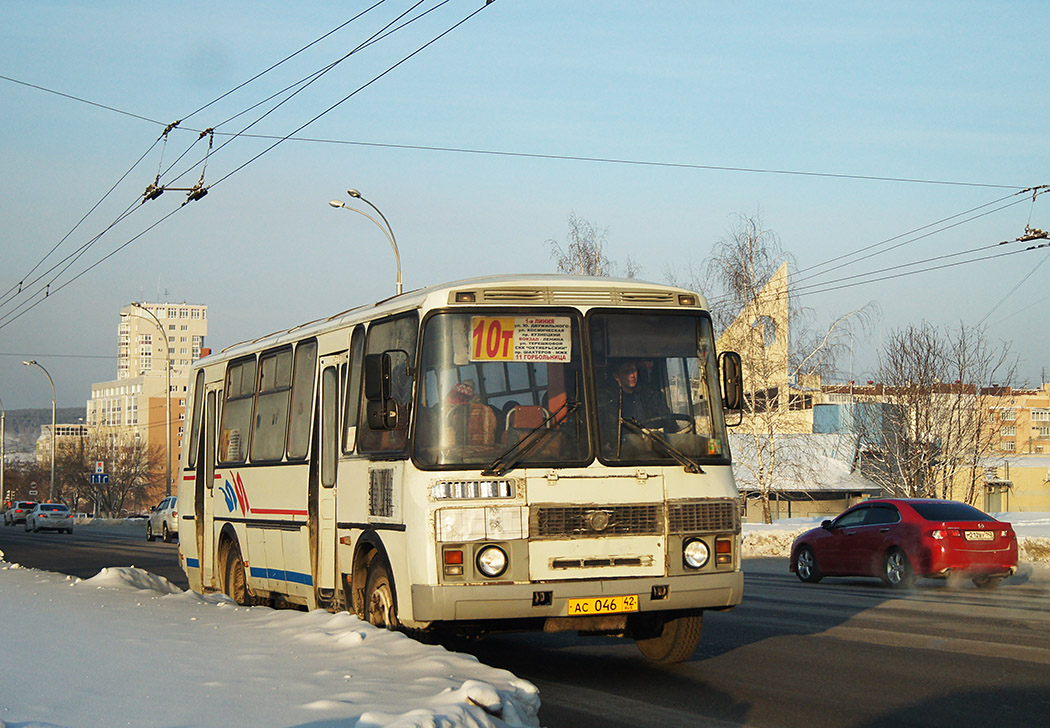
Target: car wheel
(806, 567)
(235, 583)
(380, 601)
(164, 533)
(986, 582)
(677, 642)
(897, 571)
(149, 532)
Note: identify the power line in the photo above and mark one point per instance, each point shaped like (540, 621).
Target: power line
(555, 156)
(24, 355)
(15, 315)
(18, 288)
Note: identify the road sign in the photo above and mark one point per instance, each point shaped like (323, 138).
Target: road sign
(32, 492)
(99, 478)
(100, 467)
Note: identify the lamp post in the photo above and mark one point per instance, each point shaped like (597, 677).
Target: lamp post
(3, 454)
(388, 231)
(34, 363)
(167, 395)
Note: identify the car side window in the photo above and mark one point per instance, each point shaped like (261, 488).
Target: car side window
(882, 515)
(851, 518)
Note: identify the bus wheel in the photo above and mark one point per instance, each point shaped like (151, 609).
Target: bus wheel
(677, 642)
(380, 606)
(235, 584)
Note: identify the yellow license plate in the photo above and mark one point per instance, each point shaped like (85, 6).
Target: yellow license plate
(603, 605)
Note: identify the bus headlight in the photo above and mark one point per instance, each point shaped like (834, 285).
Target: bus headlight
(695, 553)
(491, 561)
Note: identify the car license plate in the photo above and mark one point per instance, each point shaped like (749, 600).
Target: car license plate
(980, 535)
(603, 605)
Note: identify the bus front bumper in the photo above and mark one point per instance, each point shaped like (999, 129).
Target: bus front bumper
(471, 602)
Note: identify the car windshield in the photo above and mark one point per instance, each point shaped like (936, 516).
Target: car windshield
(656, 378)
(489, 382)
(938, 511)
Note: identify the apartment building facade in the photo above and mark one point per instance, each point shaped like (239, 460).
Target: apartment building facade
(151, 337)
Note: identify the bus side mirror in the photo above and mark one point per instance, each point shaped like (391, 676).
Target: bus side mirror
(732, 380)
(385, 414)
(377, 377)
(383, 411)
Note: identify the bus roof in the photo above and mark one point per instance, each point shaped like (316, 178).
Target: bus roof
(509, 290)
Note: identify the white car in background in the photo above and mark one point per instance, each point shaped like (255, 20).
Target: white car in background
(17, 512)
(50, 517)
(163, 520)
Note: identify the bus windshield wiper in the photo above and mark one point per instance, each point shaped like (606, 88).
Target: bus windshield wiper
(690, 465)
(514, 455)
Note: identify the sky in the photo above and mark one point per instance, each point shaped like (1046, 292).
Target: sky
(272, 668)
(908, 131)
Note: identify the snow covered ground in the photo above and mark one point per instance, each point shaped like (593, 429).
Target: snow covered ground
(129, 648)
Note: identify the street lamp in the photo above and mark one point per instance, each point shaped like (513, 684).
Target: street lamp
(34, 363)
(388, 231)
(3, 457)
(167, 395)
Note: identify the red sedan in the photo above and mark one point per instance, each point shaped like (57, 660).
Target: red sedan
(898, 539)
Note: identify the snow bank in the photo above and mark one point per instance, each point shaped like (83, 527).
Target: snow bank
(129, 648)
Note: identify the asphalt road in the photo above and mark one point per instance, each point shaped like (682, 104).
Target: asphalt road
(845, 652)
(90, 548)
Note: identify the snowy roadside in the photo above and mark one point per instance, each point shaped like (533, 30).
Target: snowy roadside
(129, 648)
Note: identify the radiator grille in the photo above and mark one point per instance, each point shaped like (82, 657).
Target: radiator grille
(704, 516)
(619, 520)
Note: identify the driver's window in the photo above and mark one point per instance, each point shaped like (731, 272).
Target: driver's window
(853, 518)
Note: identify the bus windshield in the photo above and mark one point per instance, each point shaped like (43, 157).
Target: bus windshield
(500, 386)
(656, 377)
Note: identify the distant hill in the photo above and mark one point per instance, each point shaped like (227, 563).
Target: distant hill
(22, 427)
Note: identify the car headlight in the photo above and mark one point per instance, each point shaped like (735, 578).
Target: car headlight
(695, 553)
(491, 561)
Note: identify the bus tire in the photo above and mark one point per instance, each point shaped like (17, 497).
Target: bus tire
(235, 582)
(380, 601)
(676, 643)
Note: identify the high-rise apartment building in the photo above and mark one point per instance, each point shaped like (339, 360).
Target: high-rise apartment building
(142, 348)
(150, 337)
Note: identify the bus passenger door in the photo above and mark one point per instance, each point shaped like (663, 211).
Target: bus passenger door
(325, 459)
(206, 491)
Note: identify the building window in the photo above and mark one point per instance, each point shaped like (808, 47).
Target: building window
(1008, 431)
(1042, 432)
(1006, 445)
(1009, 415)
(173, 312)
(1041, 415)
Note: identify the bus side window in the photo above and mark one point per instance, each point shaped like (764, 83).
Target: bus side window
(353, 389)
(396, 335)
(238, 397)
(302, 399)
(195, 419)
(270, 424)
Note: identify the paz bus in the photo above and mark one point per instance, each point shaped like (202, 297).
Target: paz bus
(469, 457)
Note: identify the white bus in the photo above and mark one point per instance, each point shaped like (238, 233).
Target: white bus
(522, 452)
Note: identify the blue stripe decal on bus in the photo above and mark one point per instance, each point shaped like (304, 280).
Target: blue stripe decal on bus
(279, 575)
(193, 563)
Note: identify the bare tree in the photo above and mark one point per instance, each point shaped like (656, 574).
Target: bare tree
(930, 439)
(584, 252)
(134, 470)
(784, 357)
